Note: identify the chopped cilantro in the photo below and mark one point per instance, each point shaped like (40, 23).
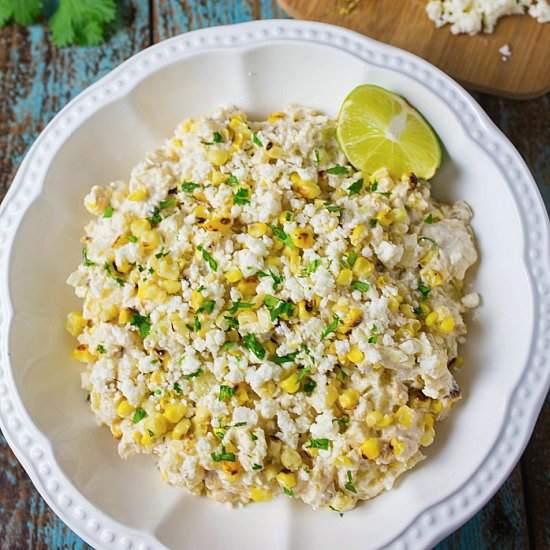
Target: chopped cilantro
(189, 186)
(429, 219)
(256, 467)
(349, 485)
(195, 374)
(360, 285)
(242, 196)
(229, 457)
(384, 193)
(331, 327)
(101, 350)
(231, 322)
(226, 392)
(277, 280)
(333, 208)
(374, 186)
(233, 180)
(87, 262)
(257, 140)
(373, 223)
(340, 513)
(288, 492)
(207, 306)
(373, 340)
(423, 238)
(310, 385)
(317, 156)
(163, 205)
(155, 217)
(423, 289)
(228, 345)
(211, 262)
(197, 324)
(285, 358)
(254, 437)
(342, 421)
(239, 305)
(312, 266)
(108, 212)
(355, 187)
(283, 236)
(132, 238)
(318, 444)
(110, 273)
(143, 323)
(217, 138)
(161, 254)
(251, 343)
(278, 307)
(303, 373)
(176, 387)
(140, 414)
(337, 170)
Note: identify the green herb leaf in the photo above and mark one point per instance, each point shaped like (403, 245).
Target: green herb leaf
(385, 193)
(253, 437)
(288, 492)
(277, 280)
(312, 266)
(429, 219)
(87, 262)
(420, 239)
(211, 262)
(341, 514)
(374, 186)
(423, 289)
(317, 156)
(189, 186)
(373, 339)
(101, 350)
(22, 12)
(242, 196)
(176, 387)
(278, 308)
(226, 392)
(256, 467)
(207, 306)
(342, 421)
(373, 223)
(310, 385)
(163, 205)
(140, 414)
(110, 274)
(108, 212)
(161, 254)
(233, 180)
(332, 327)
(195, 374)
(218, 457)
(355, 187)
(337, 170)
(283, 236)
(239, 305)
(228, 345)
(155, 217)
(257, 140)
(359, 285)
(217, 138)
(303, 373)
(143, 323)
(318, 444)
(419, 311)
(251, 343)
(349, 485)
(132, 238)
(289, 358)
(197, 324)
(333, 208)
(231, 322)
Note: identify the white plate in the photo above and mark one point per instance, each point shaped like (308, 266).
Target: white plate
(260, 67)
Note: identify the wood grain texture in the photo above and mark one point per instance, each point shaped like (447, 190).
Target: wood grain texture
(36, 80)
(473, 60)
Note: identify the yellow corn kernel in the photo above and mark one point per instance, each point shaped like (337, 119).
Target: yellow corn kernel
(260, 495)
(397, 446)
(247, 286)
(352, 319)
(196, 299)
(355, 355)
(343, 460)
(428, 421)
(303, 312)
(149, 240)
(157, 377)
(373, 418)
(268, 389)
(75, 323)
(82, 354)
(307, 189)
(247, 317)
(181, 428)
(290, 384)
(407, 310)
(125, 316)
(123, 267)
(222, 224)
(370, 448)
(177, 142)
(138, 195)
(201, 214)
(291, 459)
(358, 234)
(302, 237)
(273, 261)
(124, 409)
(137, 437)
(349, 398)
(276, 115)
(387, 420)
(385, 217)
(286, 479)
(271, 347)
(172, 287)
(404, 416)
(218, 157)
(168, 269)
(150, 291)
(431, 277)
(156, 424)
(139, 227)
(147, 439)
(241, 394)
(231, 468)
(399, 215)
(174, 413)
(274, 152)
(447, 325)
(115, 429)
(427, 438)
(233, 275)
(295, 178)
(431, 319)
(363, 267)
(258, 229)
(218, 177)
(285, 216)
(332, 394)
(344, 277)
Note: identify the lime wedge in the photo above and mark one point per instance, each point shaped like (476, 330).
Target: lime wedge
(377, 128)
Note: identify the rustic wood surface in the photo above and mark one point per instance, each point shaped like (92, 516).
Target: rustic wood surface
(526, 74)
(36, 79)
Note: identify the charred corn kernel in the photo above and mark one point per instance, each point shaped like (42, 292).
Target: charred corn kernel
(218, 177)
(343, 460)
(363, 267)
(116, 430)
(290, 384)
(124, 409)
(218, 157)
(428, 421)
(274, 152)
(231, 468)
(370, 448)
(303, 312)
(352, 319)
(258, 229)
(307, 189)
(220, 224)
(385, 217)
(397, 446)
(75, 323)
(286, 479)
(345, 277)
(242, 395)
(260, 495)
(302, 237)
(201, 214)
(349, 398)
(174, 413)
(246, 317)
(276, 115)
(139, 227)
(82, 354)
(156, 424)
(149, 240)
(399, 215)
(404, 416)
(125, 316)
(431, 319)
(181, 428)
(291, 459)
(233, 275)
(285, 217)
(373, 418)
(138, 195)
(331, 395)
(172, 287)
(431, 277)
(428, 438)
(197, 299)
(358, 234)
(167, 269)
(447, 325)
(355, 355)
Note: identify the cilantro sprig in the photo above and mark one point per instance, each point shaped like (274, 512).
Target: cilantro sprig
(283, 236)
(251, 343)
(211, 262)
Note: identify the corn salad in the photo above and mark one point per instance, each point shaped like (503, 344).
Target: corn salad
(266, 320)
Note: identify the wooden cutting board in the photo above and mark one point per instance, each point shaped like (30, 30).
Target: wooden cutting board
(472, 60)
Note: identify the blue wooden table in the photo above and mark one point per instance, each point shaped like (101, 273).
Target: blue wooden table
(37, 79)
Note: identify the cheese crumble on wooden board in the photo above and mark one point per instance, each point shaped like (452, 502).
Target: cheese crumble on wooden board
(474, 16)
(264, 319)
